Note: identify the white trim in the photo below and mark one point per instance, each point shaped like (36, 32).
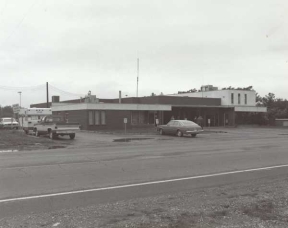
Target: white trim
(113, 106)
(141, 184)
(250, 109)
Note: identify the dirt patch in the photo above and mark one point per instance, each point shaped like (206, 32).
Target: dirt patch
(16, 140)
(263, 210)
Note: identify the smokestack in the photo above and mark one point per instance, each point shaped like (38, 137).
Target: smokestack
(119, 96)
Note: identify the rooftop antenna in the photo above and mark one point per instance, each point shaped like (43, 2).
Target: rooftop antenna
(137, 76)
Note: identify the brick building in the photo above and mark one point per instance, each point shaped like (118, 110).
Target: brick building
(94, 114)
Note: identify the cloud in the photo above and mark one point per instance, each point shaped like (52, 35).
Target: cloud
(93, 45)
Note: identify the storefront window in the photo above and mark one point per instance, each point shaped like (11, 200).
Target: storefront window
(90, 117)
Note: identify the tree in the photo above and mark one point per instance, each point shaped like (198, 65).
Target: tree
(268, 100)
(6, 111)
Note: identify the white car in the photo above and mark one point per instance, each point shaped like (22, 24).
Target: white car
(8, 123)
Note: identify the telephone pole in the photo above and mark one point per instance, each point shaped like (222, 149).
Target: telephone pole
(137, 76)
(47, 94)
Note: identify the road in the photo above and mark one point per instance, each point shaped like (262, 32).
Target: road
(107, 169)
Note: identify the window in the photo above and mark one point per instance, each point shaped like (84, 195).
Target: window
(176, 124)
(246, 99)
(103, 117)
(90, 117)
(232, 98)
(239, 98)
(139, 117)
(171, 123)
(97, 118)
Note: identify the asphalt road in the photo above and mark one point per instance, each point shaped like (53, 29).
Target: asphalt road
(36, 173)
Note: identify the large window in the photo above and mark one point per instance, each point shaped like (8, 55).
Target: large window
(90, 117)
(139, 117)
(239, 98)
(232, 98)
(97, 117)
(103, 117)
(245, 99)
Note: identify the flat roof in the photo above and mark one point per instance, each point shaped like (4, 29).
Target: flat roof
(112, 106)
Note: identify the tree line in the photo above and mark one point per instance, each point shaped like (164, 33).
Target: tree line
(277, 108)
(6, 111)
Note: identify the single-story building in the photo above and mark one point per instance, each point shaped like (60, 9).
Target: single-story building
(215, 108)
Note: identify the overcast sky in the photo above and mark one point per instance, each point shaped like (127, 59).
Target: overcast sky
(82, 45)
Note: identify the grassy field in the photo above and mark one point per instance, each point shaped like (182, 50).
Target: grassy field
(18, 140)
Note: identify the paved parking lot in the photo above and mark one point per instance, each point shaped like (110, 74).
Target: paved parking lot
(17, 140)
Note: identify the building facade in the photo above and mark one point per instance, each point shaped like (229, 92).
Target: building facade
(241, 102)
(217, 108)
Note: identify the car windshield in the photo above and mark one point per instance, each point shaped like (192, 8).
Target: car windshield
(57, 119)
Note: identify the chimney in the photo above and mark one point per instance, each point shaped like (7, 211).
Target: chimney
(55, 99)
(119, 96)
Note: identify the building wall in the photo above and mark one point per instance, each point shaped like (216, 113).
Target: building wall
(168, 100)
(114, 120)
(281, 122)
(225, 96)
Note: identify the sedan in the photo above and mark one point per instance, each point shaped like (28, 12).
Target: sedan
(180, 128)
(8, 123)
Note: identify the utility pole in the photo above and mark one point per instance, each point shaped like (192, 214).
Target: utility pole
(47, 94)
(20, 97)
(137, 76)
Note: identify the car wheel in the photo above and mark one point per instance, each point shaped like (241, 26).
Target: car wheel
(37, 133)
(179, 133)
(193, 135)
(72, 136)
(161, 132)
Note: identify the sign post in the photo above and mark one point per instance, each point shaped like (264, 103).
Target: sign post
(16, 108)
(125, 123)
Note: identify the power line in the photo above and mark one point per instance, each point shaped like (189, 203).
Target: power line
(64, 92)
(20, 22)
(22, 87)
(2, 10)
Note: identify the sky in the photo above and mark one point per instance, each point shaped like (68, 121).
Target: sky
(77, 46)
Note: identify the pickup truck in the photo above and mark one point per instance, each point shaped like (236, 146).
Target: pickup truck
(55, 126)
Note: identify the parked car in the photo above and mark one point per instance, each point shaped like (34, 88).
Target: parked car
(8, 123)
(180, 128)
(55, 126)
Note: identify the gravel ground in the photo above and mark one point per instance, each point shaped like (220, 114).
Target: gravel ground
(18, 140)
(261, 203)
